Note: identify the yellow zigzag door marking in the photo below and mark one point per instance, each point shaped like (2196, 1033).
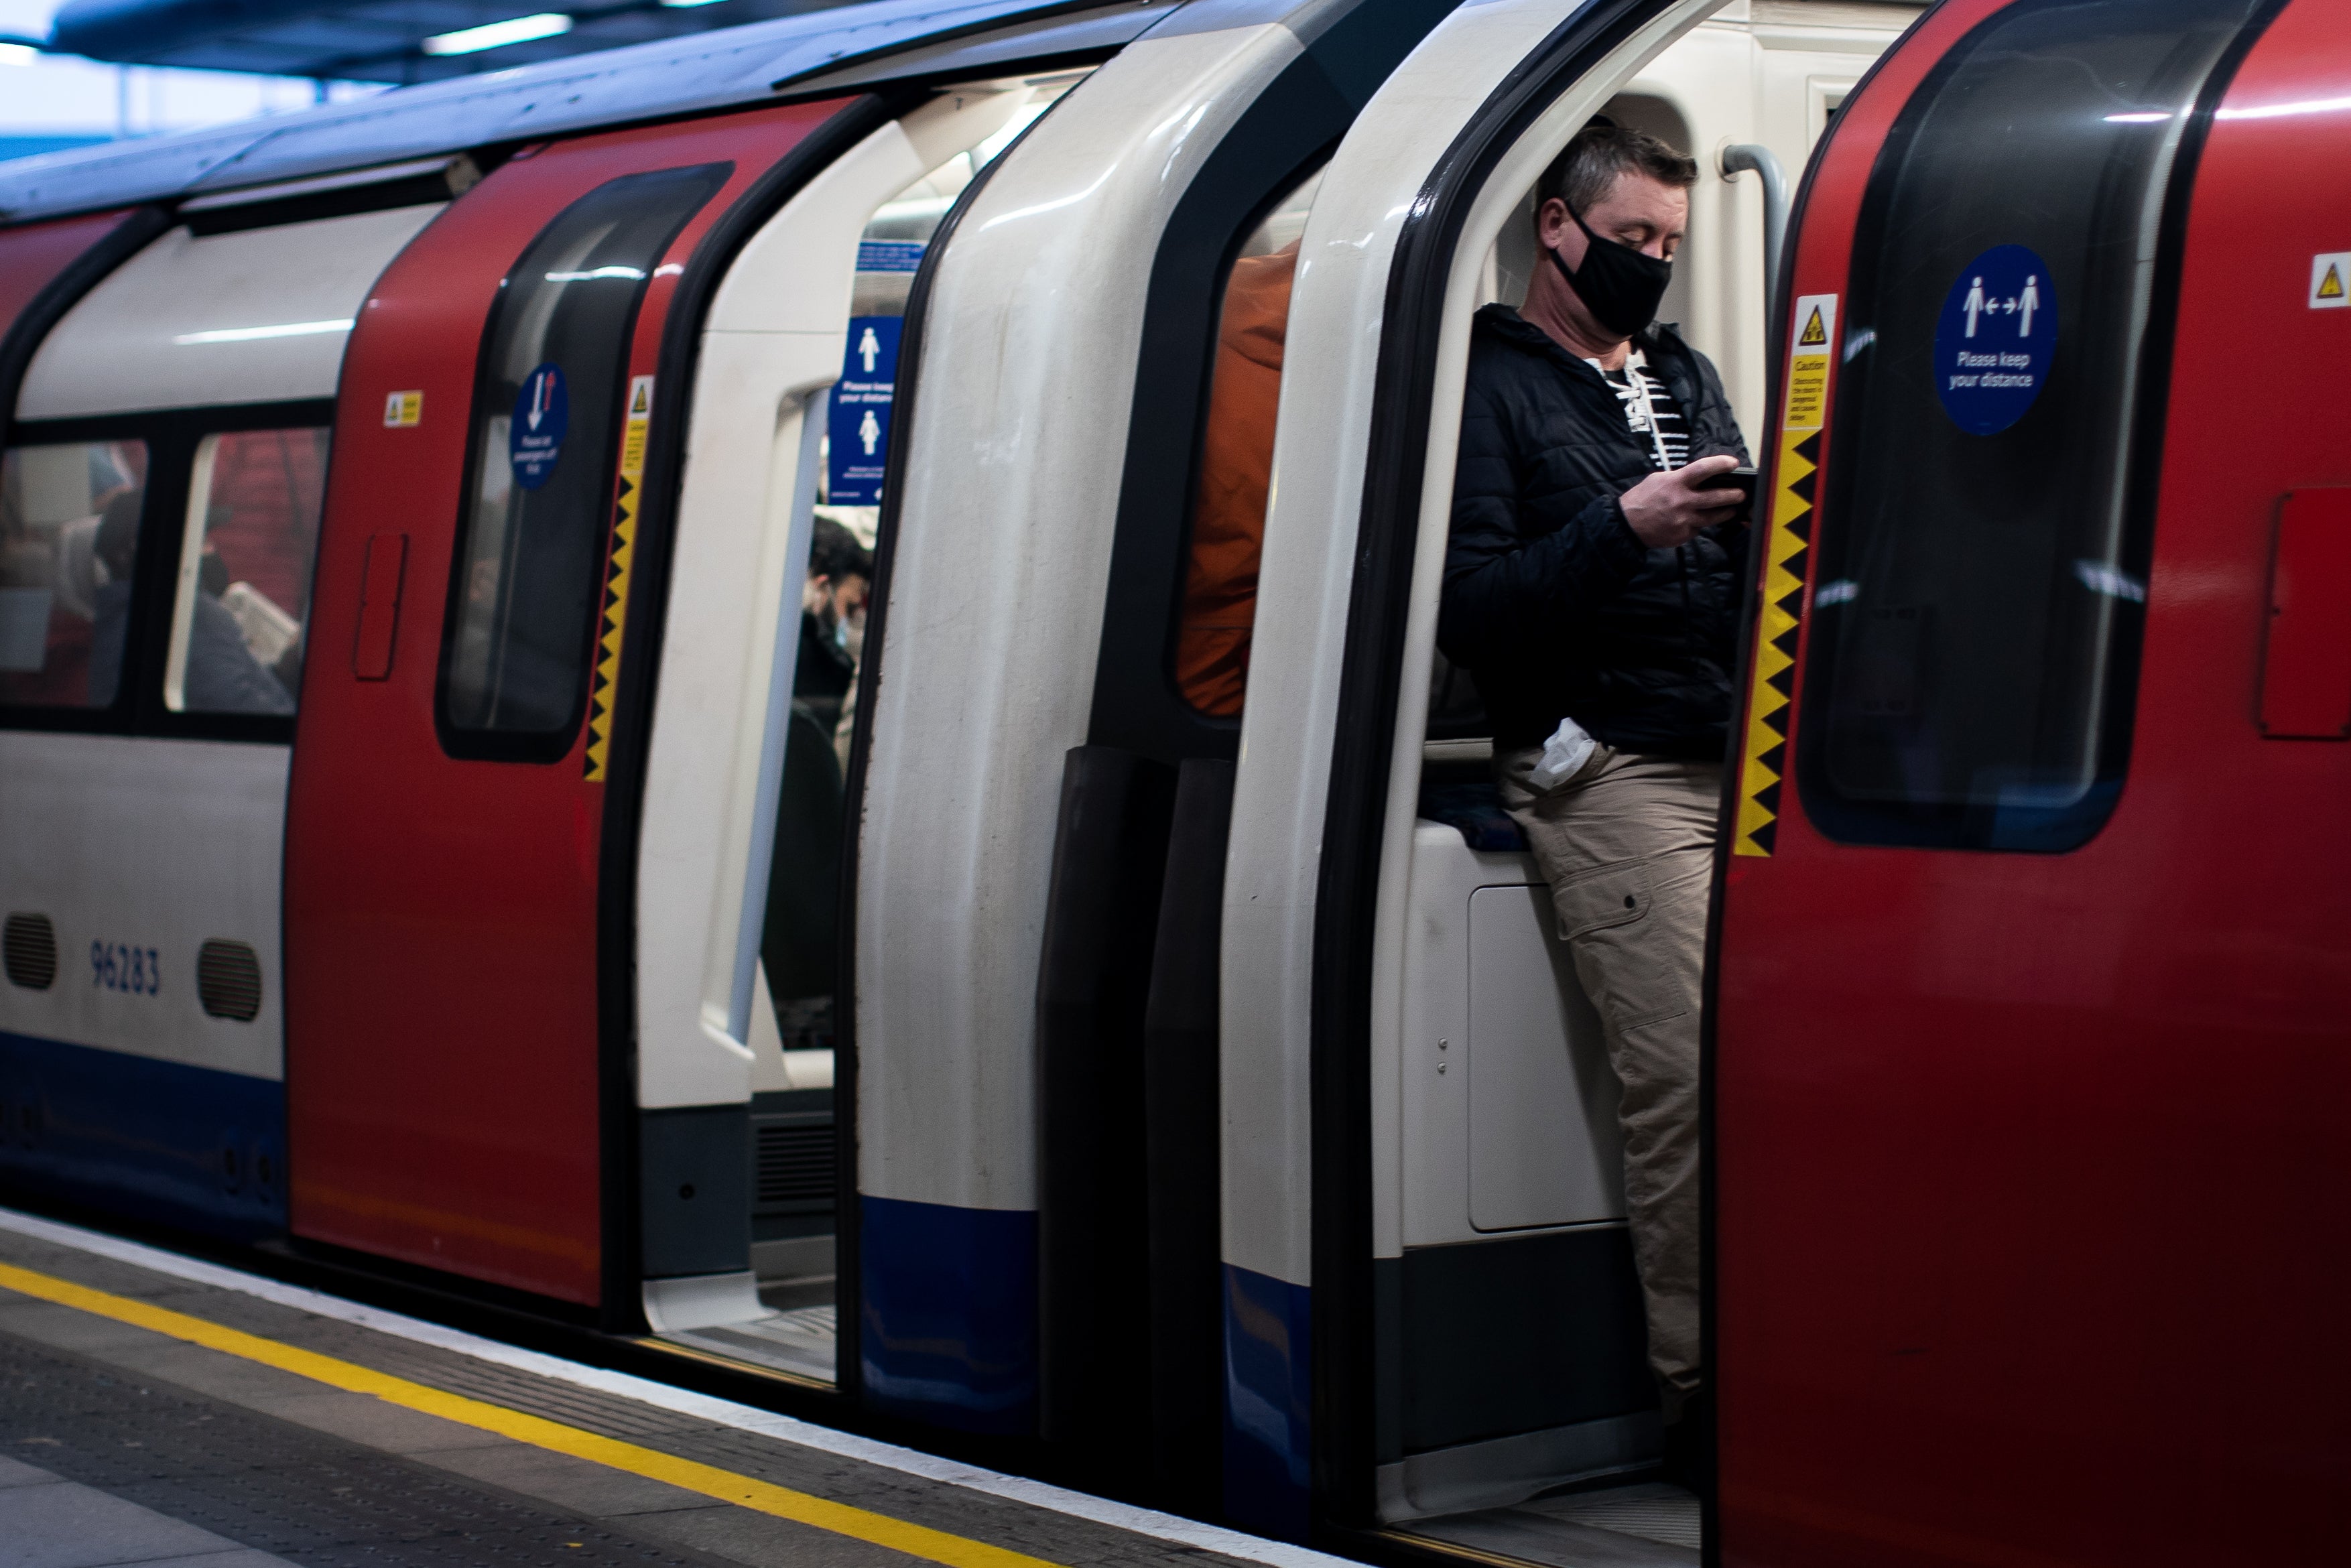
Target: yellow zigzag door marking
(1787, 552)
(1764, 756)
(616, 577)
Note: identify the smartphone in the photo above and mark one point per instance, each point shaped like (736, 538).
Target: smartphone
(1743, 481)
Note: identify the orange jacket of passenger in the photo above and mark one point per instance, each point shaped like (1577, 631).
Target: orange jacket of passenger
(1212, 647)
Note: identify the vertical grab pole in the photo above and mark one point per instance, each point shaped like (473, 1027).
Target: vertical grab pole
(1749, 156)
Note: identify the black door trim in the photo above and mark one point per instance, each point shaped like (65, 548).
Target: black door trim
(1345, 1364)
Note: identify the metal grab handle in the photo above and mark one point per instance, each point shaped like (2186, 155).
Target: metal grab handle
(1766, 164)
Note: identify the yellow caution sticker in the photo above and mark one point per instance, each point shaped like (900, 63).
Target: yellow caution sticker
(403, 410)
(634, 434)
(2328, 272)
(1787, 550)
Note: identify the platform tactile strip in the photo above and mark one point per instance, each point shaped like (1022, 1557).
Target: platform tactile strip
(310, 1498)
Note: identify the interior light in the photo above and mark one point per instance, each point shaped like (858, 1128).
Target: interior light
(249, 334)
(498, 35)
(2147, 117)
(683, 4)
(18, 54)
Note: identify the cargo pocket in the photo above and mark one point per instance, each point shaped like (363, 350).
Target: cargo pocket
(1604, 918)
(1614, 895)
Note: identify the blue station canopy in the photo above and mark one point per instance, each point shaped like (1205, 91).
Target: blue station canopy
(386, 40)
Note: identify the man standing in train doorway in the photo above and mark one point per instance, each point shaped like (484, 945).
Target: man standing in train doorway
(1592, 589)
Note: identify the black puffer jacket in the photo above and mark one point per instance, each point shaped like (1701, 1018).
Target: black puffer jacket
(1550, 602)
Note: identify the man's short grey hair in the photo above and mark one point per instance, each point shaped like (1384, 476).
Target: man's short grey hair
(1602, 153)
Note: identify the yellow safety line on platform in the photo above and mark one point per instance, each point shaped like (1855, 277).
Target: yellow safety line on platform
(743, 1491)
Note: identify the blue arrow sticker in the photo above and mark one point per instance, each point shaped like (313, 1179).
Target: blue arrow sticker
(1996, 337)
(542, 412)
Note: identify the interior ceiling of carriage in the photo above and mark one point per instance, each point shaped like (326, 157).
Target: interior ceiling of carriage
(401, 41)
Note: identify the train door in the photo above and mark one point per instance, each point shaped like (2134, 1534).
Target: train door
(1433, 1328)
(738, 873)
(162, 488)
(457, 978)
(2029, 1038)
(1035, 788)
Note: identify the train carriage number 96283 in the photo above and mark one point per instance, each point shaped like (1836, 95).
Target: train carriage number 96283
(115, 967)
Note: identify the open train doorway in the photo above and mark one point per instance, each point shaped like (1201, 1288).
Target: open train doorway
(1544, 1437)
(1454, 1352)
(746, 812)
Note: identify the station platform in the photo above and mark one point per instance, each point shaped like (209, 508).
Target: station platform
(165, 1411)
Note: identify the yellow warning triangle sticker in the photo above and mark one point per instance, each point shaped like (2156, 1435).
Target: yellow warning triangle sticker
(2331, 286)
(643, 400)
(1813, 335)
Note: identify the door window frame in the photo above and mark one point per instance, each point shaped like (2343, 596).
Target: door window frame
(598, 432)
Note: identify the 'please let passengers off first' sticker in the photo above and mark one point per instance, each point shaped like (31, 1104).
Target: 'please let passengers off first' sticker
(1995, 339)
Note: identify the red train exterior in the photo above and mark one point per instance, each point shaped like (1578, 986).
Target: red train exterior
(488, 874)
(2033, 1197)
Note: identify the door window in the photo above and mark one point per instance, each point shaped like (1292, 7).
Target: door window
(69, 517)
(243, 592)
(1212, 641)
(547, 409)
(1982, 580)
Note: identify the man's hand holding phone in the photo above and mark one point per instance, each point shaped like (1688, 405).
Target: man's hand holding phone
(1666, 509)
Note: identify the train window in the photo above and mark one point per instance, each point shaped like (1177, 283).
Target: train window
(244, 572)
(69, 517)
(1980, 589)
(1236, 464)
(546, 410)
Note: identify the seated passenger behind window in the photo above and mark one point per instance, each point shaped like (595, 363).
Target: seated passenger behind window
(117, 550)
(1212, 647)
(833, 609)
(222, 675)
(1594, 577)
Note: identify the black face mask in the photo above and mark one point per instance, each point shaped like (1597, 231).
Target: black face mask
(1620, 286)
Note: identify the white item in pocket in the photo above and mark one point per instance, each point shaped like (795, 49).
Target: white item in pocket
(1565, 753)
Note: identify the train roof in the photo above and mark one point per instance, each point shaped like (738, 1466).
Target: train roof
(845, 48)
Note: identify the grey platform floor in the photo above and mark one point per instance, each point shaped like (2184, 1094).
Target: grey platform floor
(121, 1445)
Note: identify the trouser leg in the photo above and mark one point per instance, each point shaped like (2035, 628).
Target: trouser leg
(1627, 848)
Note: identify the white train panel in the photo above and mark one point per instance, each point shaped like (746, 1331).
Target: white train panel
(252, 316)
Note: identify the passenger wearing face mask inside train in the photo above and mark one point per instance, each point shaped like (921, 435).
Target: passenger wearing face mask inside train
(1592, 589)
(832, 621)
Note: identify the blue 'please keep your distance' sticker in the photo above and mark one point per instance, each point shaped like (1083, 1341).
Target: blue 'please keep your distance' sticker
(542, 412)
(1995, 339)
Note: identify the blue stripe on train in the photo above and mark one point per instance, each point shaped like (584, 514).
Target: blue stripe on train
(190, 1146)
(1268, 1386)
(948, 1330)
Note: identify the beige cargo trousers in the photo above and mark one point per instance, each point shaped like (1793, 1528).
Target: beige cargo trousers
(1626, 843)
